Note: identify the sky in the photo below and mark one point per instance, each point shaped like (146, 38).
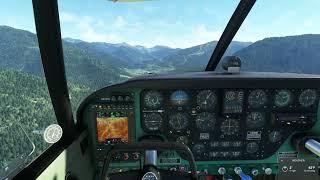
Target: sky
(173, 23)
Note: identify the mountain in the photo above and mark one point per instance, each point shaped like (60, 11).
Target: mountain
(71, 40)
(196, 58)
(126, 54)
(19, 51)
(160, 52)
(98, 64)
(25, 102)
(300, 54)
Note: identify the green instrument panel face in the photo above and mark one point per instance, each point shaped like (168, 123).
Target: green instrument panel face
(251, 128)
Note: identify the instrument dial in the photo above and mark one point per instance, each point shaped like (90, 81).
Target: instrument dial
(152, 121)
(198, 149)
(179, 98)
(255, 120)
(205, 121)
(283, 98)
(257, 98)
(308, 97)
(230, 127)
(178, 121)
(252, 147)
(207, 99)
(275, 136)
(153, 99)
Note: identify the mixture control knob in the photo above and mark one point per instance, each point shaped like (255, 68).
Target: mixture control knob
(268, 171)
(222, 170)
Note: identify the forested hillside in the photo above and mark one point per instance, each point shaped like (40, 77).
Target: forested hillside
(19, 51)
(298, 54)
(25, 101)
(196, 58)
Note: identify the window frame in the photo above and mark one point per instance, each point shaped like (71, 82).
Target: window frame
(47, 23)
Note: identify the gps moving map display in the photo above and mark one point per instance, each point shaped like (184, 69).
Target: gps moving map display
(112, 126)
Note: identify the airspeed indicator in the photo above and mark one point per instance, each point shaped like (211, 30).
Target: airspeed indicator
(207, 100)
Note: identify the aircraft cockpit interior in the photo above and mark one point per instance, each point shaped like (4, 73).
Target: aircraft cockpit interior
(160, 90)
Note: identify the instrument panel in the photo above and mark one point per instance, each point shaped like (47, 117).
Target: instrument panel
(246, 120)
(233, 124)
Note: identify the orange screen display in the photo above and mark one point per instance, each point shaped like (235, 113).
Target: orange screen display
(112, 128)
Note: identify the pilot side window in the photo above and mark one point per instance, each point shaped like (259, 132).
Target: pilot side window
(25, 105)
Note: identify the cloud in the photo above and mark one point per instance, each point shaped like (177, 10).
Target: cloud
(203, 33)
(120, 22)
(149, 33)
(68, 17)
(87, 28)
(92, 36)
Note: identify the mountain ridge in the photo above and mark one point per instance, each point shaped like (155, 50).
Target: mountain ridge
(90, 63)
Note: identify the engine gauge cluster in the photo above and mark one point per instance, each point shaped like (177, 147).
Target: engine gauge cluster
(233, 101)
(228, 123)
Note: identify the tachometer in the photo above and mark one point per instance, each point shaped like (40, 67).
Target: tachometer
(257, 98)
(153, 99)
(179, 98)
(255, 120)
(152, 121)
(308, 97)
(230, 127)
(206, 99)
(178, 121)
(283, 98)
(205, 121)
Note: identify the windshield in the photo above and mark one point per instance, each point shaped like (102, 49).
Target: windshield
(106, 42)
